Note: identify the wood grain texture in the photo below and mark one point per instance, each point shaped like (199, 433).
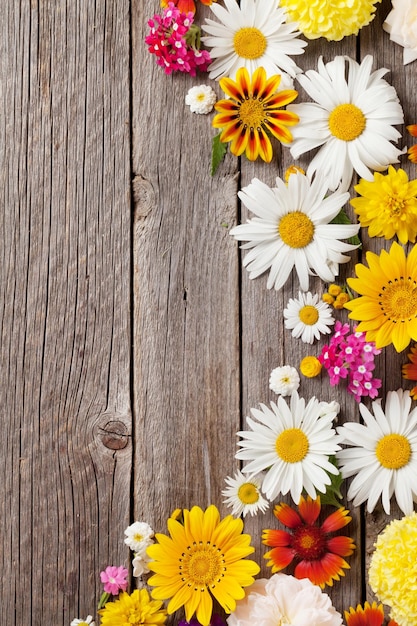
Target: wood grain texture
(65, 304)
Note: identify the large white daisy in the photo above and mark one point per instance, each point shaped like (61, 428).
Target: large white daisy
(351, 118)
(383, 456)
(293, 443)
(291, 228)
(251, 35)
(308, 317)
(243, 493)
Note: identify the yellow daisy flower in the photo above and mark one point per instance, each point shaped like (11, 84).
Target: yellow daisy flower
(332, 20)
(252, 111)
(388, 205)
(387, 308)
(136, 609)
(203, 556)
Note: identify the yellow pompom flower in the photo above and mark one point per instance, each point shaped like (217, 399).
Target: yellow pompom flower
(341, 300)
(334, 290)
(388, 205)
(332, 20)
(310, 366)
(136, 609)
(202, 557)
(328, 298)
(393, 569)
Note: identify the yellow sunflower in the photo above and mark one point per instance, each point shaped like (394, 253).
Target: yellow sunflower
(388, 205)
(253, 110)
(136, 609)
(387, 308)
(203, 556)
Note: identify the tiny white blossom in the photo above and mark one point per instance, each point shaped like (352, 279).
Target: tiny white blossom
(201, 99)
(140, 564)
(284, 380)
(139, 536)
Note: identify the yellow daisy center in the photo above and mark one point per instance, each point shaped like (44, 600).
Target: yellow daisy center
(249, 43)
(296, 229)
(248, 493)
(308, 314)
(202, 565)
(398, 299)
(393, 451)
(251, 113)
(292, 445)
(347, 122)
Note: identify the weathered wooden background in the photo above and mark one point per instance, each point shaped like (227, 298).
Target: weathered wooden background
(132, 343)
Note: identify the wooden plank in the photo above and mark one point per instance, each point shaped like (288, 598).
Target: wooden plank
(65, 321)
(186, 299)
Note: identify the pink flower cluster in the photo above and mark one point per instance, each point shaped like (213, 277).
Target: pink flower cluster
(114, 579)
(349, 356)
(175, 41)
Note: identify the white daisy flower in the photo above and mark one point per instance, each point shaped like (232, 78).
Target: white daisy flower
(251, 35)
(201, 99)
(292, 228)
(139, 536)
(284, 380)
(293, 443)
(88, 621)
(350, 118)
(308, 317)
(383, 456)
(244, 495)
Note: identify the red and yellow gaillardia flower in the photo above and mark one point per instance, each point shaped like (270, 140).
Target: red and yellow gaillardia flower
(367, 615)
(318, 554)
(252, 111)
(186, 6)
(409, 370)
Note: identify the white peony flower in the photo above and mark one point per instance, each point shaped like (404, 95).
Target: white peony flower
(401, 24)
(284, 380)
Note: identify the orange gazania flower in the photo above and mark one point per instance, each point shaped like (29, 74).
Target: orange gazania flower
(409, 370)
(412, 152)
(185, 6)
(368, 615)
(317, 553)
(253, 110)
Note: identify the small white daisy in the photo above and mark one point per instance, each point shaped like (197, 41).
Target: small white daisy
(383, 456)
(139, 536)
(201, 99)
(292, 228)
(254, 34)
(88, 621)
(244, 495)
(351, 119)
(308, 317)
(284, 380)
(293, 444)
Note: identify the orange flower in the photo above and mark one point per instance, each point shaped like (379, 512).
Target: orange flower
(185, 6)
(412, 152)
(409, 370)
(319, 555)
(252, 112)
(368, 615)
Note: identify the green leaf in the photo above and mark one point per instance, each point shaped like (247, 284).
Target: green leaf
(342, 218)
(217, 153)
(333, 494)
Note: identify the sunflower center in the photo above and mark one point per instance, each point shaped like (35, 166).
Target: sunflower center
(393, 451)
(251, 113)
(248, 493)
(249, 43)
(292, 445)
(398, 299)
(308, 314)
(202, 565)
(308, 542)
(347, 122)
(296, 229)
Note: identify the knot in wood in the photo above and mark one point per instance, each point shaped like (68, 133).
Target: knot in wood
(114, 435)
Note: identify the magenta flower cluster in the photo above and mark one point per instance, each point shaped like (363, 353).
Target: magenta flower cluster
(175, 42)
(349, 356)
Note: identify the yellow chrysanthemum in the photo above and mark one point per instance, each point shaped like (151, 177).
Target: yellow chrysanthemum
(332, 20)
(136, 609)
(203, 556)
(393, 569)
(387, 308)
(388, 205)
(252, 112)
